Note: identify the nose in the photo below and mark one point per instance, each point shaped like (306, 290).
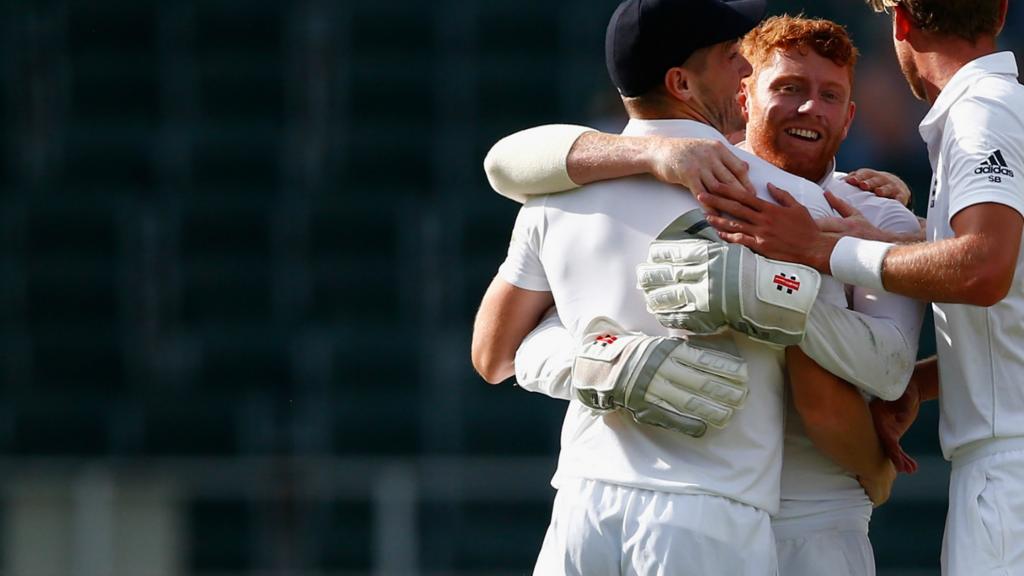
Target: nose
(745, 69)
(810, 106)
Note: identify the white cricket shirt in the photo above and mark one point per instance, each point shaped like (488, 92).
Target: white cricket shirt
(817, 492)
(975, 137)
(584, 246)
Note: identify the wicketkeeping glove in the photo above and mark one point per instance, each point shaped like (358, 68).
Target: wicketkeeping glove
(696, 282)
(664, 382)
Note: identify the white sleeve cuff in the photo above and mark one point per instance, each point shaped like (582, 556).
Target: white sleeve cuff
(859, 262)
(532, 162)
(545, 357)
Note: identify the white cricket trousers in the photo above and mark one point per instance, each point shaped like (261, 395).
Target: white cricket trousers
(985, 523)
(836, 547)
(600, 529)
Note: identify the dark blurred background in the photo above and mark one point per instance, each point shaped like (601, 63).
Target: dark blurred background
(241, 246)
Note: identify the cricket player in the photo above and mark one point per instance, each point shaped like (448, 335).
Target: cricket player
(635, 497)
(974, 132)
(798, 105)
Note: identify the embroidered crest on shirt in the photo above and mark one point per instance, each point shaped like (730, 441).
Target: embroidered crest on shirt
(995, 166)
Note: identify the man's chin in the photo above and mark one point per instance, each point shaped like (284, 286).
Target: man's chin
(809, 169)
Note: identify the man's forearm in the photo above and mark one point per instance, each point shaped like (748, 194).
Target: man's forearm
(835, 416)
(596, 156)
(975, 267)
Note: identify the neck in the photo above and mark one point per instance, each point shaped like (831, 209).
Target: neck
(937, 65)
(659, 109)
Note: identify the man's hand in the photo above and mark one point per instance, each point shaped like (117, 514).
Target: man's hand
(892, 420)
(850, 222)
(702, 166)
(693, 281)
(883, 184)
(782, 232)
(665, 382)
(879, 486)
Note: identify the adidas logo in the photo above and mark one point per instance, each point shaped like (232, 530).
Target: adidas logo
(995, 164)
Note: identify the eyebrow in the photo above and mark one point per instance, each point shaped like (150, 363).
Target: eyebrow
(796, 77)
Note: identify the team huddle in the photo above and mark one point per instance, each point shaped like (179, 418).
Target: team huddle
(735, 326)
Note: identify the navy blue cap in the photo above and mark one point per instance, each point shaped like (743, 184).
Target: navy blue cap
(647, 37)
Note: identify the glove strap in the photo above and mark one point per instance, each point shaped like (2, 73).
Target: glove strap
(636, 391)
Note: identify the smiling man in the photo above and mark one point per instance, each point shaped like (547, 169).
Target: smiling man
(799, 109)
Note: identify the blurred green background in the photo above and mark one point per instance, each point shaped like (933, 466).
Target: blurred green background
(241, 246)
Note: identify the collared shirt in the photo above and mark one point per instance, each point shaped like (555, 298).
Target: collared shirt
(975, 137)
(583, 246)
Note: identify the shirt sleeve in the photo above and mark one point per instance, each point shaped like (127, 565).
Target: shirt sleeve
(905, 314)
(533, 161)
(870, 353)
(545, 357)
(984, 155)
(522, 266)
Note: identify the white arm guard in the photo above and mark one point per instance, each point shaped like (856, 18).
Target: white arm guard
(544, 359)
(531, 162)
(870, 353)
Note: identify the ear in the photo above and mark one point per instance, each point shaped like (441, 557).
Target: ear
(1003, 7)
(849, 118)
(679, 83)
(902, 22)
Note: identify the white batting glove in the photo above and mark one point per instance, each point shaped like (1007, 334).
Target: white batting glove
(696, 282)
(666, 382)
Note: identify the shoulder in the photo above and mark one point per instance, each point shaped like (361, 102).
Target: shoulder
(992, 107)
(804, 191)
(885, 213)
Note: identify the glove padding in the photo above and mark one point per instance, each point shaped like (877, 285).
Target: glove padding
(696, 282)
(664, 382)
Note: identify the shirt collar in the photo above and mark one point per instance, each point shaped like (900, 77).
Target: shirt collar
(830, 172)
(965, 77)
(675, 128)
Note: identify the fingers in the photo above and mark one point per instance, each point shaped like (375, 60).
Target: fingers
(739, 170)
(650, 276)
(831, 225)
(671, 298)
(782, 197)
(728, 225)
(736, 209)
(844, 209)
(860, 174)
(691, 251)
(736, 237)
(911, 464)
(697, 186)
(724, 182)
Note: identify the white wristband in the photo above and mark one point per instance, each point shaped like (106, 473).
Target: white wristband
(859, 262)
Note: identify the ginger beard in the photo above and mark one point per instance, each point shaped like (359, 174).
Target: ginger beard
(798, 111)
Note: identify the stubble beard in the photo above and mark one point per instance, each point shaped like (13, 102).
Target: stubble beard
(726, 116)
(913, 77)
